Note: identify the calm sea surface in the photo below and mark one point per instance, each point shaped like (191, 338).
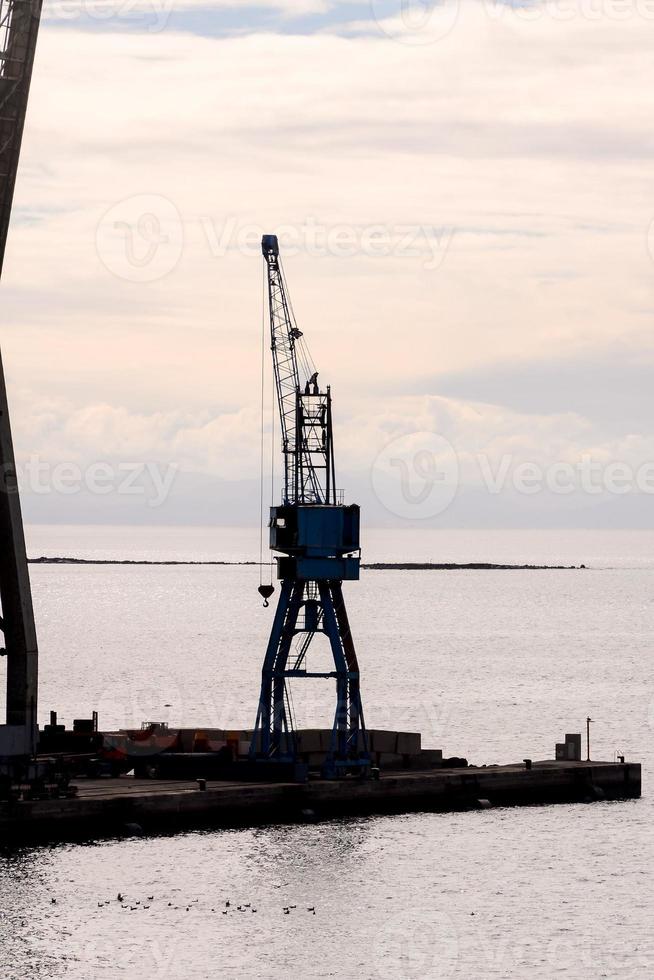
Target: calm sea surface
(495, 666)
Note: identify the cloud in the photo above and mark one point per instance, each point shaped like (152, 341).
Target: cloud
(203, 469)
(69, 10)
(224, 444)
(611, 389)
(502, 171)
(196, 16)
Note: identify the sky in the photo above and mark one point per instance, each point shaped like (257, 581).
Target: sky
(464, 196)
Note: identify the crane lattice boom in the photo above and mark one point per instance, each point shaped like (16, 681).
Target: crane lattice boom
(304, 410)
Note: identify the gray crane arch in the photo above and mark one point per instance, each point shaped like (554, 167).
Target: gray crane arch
(19, 25)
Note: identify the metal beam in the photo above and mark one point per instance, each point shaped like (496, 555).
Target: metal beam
(19, 24)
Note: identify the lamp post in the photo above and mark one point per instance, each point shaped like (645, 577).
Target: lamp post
(589, 722)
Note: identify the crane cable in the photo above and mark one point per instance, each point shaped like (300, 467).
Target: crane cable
(308, 366)
(272, 463)
(265, 590)
(301, 346)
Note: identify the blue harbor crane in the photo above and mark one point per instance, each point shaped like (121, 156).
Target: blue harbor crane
(316, 537)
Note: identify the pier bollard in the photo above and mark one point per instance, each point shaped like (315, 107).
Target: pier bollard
(527, 763)
(202, 784)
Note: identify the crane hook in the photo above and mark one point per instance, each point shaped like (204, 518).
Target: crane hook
(266, 591)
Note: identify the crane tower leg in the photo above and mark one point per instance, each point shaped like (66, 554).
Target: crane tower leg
(304, 609)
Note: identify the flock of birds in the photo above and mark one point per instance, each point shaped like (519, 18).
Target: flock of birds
(139, 905)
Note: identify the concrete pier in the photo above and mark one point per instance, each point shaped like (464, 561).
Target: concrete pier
(110, 807)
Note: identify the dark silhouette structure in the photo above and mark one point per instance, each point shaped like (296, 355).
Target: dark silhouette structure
(19, 25)
(317, 538)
